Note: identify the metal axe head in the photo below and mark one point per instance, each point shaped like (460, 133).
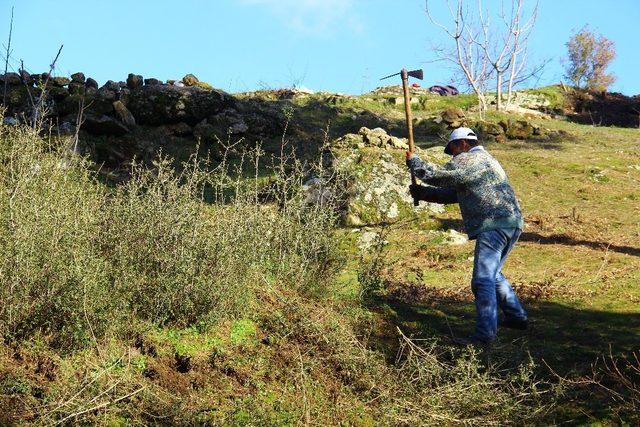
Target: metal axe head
(418, 74)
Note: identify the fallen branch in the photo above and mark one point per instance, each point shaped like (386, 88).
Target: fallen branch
(100, 406)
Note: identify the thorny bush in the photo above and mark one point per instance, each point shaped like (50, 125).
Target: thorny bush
(79, 261)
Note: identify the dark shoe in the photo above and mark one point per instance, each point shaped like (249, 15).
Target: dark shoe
(519, 324)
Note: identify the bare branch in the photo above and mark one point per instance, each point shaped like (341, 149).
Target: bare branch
(6, 61)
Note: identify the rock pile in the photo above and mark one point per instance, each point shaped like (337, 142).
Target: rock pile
(377, 137)
(452, 118)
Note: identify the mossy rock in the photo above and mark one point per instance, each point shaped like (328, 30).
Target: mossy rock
(489, 131)
(517, 129)
(431, 127)
(453, 116)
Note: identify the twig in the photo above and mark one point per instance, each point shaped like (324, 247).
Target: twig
(43, 93)
(100, 406)
(6, 60)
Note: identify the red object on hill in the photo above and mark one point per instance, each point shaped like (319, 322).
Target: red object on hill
(415, 85)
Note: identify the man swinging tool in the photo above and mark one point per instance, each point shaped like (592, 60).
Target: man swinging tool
(491, 215)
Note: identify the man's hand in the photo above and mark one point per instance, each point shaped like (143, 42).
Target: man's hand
(417, 191)
(408, 155)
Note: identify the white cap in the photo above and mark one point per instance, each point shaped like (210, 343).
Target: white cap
(460, 133)
(463, 133)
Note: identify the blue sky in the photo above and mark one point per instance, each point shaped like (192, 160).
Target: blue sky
(238, 45)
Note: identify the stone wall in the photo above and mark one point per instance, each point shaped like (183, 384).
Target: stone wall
(184, 107)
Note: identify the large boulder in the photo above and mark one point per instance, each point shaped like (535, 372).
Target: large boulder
(489, 131)
(164, 104)
(517, 129)
(453, 117)
(59, 81)
(124, 114)
(91, 83)
(134, 81)
(190, 80)
(104, 125)
(379, 190)
(78, 78)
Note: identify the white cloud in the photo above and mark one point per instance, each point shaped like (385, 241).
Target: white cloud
(313, 17)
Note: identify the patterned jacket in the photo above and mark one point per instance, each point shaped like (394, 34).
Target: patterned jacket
(478, 183)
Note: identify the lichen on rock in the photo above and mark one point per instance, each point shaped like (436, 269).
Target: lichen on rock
(380, 188)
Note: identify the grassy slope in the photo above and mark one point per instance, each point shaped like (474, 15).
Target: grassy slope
(576, 267)
(578, 263)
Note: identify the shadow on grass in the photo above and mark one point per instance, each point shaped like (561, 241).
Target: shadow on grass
(568, 339)
(563, 239)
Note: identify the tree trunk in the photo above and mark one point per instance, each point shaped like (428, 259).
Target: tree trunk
(498, 91)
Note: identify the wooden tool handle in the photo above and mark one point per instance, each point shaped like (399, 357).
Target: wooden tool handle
(407, 111)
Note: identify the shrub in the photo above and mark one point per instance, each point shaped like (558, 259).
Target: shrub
(79, 260)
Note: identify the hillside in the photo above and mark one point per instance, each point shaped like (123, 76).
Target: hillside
(282, 277)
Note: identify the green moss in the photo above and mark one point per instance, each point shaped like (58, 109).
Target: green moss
(243, 332)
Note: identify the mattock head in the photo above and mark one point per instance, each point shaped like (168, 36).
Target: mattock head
(418, 74)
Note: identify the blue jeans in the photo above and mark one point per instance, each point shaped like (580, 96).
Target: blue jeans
(490, 288)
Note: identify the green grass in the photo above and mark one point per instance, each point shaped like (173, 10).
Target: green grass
(277, 330)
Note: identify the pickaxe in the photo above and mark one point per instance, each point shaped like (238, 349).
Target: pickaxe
(418, 74)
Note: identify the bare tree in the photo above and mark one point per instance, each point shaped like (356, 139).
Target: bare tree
(501, 47)
(506, 45)
(467, 56)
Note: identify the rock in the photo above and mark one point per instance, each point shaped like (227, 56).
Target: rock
(37, 78)
(10, 121)
(452, 116)
(76, 87)
(91, 83)
(58, 93)
(238, 128)
(163, 104)
(203, 85)
(124, 114)
(205, 131)
(179, 129)
(453, 238)
(78, 78)
(350, 140)
(152, 82)
(368, 240)
(540, 132)
(229, 122)
(67, 128)
(134, 81)
(399, 143)
(379, 191)
(60, 81)
(488, 131)
(11, 78)
(190, 80)
(104, 125)
(179, 84)
(517, 129)
(316, 193)
(106, 94)
(375, 137)
(112, 86)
